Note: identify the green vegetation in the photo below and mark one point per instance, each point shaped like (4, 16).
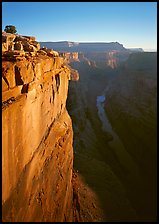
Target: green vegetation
(10, 29)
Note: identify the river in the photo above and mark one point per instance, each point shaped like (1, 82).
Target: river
(116, 144)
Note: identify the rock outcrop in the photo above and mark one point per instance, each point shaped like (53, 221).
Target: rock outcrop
(107, 59)
(70, 56)
(37, 153)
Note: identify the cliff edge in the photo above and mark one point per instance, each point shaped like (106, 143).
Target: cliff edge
(37, 153)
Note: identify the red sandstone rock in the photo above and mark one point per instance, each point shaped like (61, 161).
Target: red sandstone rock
(23, 72)
(42, 52)
(43, 191)
(18, 45)
(15, 92)
(4, 85)
(29, 47)
(14, 53)
(50, 52)
(29, 38)
(37, 141)
(8, 73)
(74, 74)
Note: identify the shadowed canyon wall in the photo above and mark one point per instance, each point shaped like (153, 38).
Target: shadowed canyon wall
(131, 106)
(124, 178)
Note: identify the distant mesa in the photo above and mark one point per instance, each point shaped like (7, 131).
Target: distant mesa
(68, 46)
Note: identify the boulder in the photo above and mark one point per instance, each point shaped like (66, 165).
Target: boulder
(11, 46)
(18, 45)
(21, 38)
(14, 53)
(51, 52)
(29, 47)
(42, 52)
(8, 37)
(7, 40)
(30, 38)
(36, 44)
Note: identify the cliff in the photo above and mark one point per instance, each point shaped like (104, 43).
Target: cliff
(68, 58)
(108, 59)
(124, 180)
(37, 153)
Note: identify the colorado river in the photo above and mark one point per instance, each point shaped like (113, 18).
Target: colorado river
(117, 146)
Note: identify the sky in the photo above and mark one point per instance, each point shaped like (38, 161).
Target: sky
(133, 24)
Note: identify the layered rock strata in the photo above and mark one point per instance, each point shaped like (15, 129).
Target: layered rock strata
(37, 154)
(108, 59)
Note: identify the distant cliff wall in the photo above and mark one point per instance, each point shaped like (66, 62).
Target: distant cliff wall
(66, 46)
(108, 59)
(37, 153)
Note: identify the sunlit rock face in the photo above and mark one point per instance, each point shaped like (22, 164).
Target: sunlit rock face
(37, 154)
(70, 56)
(108, 59)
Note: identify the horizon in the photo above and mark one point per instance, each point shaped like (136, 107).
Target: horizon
(145, 50)
(133, 24)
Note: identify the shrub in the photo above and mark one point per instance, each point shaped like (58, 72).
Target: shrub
(10, 29)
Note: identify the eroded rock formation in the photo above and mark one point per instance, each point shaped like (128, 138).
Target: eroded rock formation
(37, 154)
(108, 59)
(38, 184)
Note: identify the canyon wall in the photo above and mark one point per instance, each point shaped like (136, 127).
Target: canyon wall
(131, 107)
(108, 59)
(37, 153)
(124, 180)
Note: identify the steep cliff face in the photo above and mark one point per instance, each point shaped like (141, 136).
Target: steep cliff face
(70, 56)
(37, 154)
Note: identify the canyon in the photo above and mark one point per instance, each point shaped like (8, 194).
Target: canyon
(78, 131)
(119, 162)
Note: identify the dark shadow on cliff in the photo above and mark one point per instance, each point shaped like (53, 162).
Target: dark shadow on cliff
(121, 195)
